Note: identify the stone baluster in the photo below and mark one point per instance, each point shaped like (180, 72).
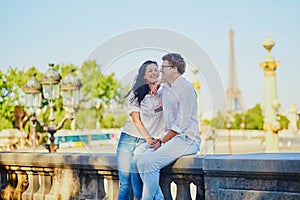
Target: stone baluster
(91, 185)
(8, 191)
(112, 184)
(45, 183)
(55, 189)
(22, 183)
(33, 183)
(65, 184)
(183, 183)
(199, 182)
(3, 178)
(70, 183)
(165, 185)
(101, 188)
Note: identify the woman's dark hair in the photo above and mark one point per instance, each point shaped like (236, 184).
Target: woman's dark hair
(140, 87)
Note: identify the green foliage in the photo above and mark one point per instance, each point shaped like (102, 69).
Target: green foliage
(108, 121)
(218, 121)
(236, 123)
(11, 84)
(120, 120)
(86, 118)
(5, 123)
(206, 122)
(111, 121)
(254, 118)
(283, 121)
(98, 92)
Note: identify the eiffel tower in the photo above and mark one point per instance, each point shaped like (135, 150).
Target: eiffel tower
(233, 93)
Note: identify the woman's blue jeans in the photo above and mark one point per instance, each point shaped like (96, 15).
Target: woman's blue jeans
(127, 147)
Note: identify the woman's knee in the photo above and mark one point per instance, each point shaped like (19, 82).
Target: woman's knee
(133, 166)
(124, 190)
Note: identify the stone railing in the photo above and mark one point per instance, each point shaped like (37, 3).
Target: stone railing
(94, 176)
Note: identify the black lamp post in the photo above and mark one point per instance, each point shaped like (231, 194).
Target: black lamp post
(51, 84)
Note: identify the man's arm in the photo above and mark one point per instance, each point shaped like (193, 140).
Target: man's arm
(165, 139)
(168, 136)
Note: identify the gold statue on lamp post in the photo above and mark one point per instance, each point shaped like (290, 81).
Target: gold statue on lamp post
(271, 103)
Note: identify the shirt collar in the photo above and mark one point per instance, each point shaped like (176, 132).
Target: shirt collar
(177, 81)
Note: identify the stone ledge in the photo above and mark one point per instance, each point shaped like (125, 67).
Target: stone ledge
(229, 194)
(260, 163)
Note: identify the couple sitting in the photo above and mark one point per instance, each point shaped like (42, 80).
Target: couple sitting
(162, 126)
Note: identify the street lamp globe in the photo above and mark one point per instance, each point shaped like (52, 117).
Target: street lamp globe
(33, 94)
(70, 87)
(50, 83)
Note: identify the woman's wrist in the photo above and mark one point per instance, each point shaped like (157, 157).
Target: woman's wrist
(149, 140)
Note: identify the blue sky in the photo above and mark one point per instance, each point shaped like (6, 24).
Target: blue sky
(34, 33)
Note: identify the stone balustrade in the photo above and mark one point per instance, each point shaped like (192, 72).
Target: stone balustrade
(94, 176)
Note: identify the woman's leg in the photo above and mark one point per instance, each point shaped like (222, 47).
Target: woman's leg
(136, 181)
(125, 151)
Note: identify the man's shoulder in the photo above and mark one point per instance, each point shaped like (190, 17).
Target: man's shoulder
(187, 85)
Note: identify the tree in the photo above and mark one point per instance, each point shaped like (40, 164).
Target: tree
(11, 84)
(236, 123)
(218, 121)
(98, 90)
(283, 121)
(254, 118)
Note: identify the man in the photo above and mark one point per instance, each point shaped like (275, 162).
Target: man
(181, 126)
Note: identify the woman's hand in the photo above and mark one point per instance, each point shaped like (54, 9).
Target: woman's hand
(154, 88)
(156, 144)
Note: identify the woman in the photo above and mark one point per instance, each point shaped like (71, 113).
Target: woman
(145, 122)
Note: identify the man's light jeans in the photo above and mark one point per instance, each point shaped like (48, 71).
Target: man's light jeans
(150, 163)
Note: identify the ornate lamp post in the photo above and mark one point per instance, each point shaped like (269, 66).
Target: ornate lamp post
(70, 93)
(271, 103)
(33, 102)
(50, 83)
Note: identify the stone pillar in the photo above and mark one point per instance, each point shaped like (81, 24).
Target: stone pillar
(112, 185)
(3, 178)
(165, 185)
(45, 184)
(8, 191)
(33, 183)
(271, 103)
(22, 184)
(183, 183)
(56, 186)
(199, 182)
(91, 185)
